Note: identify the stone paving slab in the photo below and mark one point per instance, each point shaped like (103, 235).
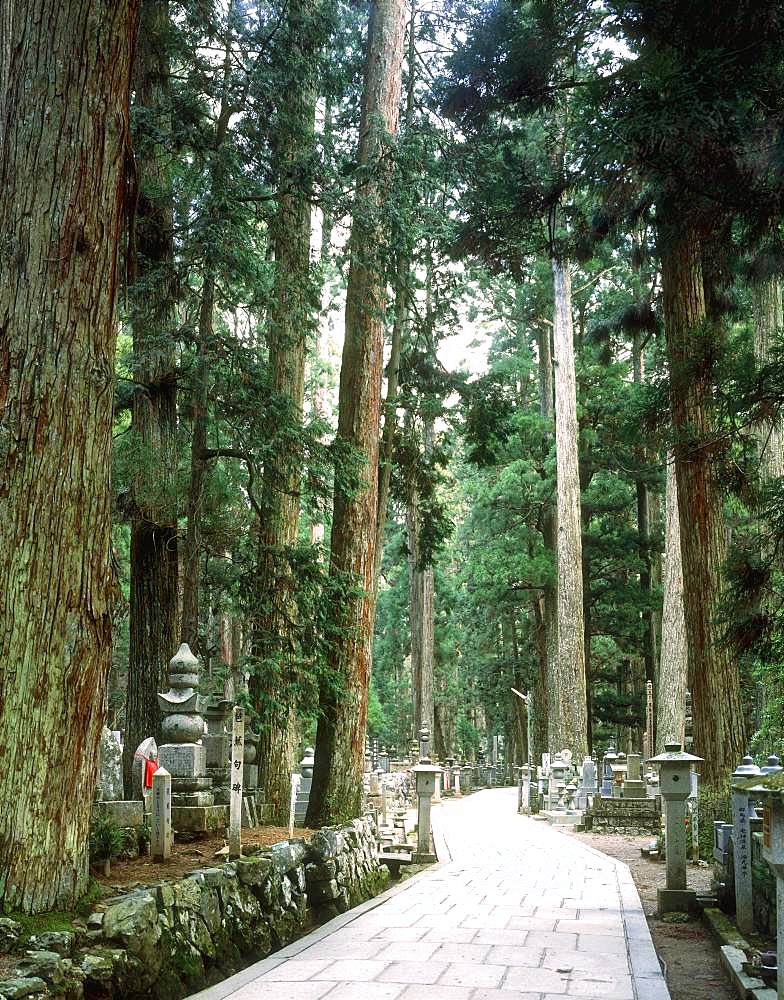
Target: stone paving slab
(514, 909)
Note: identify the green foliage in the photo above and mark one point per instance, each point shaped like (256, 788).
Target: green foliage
(107, 840)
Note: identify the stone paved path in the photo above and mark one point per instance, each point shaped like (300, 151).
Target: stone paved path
(514, 910)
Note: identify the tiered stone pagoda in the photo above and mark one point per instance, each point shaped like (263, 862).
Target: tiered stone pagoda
(183, 752)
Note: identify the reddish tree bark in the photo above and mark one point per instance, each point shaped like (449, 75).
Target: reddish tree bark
(64, 77)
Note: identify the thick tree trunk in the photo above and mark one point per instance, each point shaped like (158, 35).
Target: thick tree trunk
(64, 75)
(402, 291)
(337, 779)
(644, 534)
(567, 721)
(274, 682)
(719, 730)
(673, 666)
(154, 563)
(390, 409)
(546, 610)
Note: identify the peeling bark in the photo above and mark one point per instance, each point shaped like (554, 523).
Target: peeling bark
(719, 729)
(671, 681)
(64, 70)
(337, 779)
(567, 718)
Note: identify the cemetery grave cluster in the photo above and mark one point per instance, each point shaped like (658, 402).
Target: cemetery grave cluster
(167, 939)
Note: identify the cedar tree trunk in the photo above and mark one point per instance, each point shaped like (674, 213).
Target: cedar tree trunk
(273, 685)
(337, 779)
(673, 667)
(154, 564)
(64, 79)
(567, 723)
(719, 730)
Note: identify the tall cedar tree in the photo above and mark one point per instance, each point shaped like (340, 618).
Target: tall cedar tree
(154, 567)
(63, 148)
(337, 777)
(292, 320)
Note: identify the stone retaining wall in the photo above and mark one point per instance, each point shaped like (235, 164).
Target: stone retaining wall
(168, 940)
(633, 817)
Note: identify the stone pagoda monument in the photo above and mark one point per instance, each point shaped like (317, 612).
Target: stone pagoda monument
(183, 752)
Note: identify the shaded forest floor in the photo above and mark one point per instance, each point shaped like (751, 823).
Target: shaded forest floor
(188, 857)
(693, 969)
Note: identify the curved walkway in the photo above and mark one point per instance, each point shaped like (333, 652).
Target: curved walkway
(513, 910)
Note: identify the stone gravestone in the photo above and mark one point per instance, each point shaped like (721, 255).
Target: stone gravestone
(184, 754)
(161, 835)
(110, 778)
(588, 785)
(303, 792)
(607, 772)
(634, 787)
(217, 746)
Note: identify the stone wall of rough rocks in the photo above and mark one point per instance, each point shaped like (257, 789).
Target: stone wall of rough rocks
(631, 817)
(171, 939)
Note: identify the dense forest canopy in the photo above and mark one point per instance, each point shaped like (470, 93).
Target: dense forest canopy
(437, 347)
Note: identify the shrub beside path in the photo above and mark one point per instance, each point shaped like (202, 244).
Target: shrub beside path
(513, 910)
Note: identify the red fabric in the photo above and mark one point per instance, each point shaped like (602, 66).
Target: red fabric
(150, 767)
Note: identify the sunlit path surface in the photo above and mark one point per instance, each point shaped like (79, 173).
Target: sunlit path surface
(515, 909)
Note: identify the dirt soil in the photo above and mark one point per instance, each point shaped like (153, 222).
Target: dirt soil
(186, 858)
(693, 969)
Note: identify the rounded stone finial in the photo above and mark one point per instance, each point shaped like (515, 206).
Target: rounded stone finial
(773, 765)
(184, 669)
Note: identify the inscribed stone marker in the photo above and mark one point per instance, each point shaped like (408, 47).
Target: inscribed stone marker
(237, 757)
(161, 830)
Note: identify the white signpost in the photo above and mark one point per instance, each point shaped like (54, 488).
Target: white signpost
(161, 835)
(235, 801)
(296, 781)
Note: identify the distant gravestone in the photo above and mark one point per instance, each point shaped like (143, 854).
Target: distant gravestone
(588, 783)
(110, 783)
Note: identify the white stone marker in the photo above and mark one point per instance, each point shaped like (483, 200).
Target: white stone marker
(296, 781)
(694, 815)
(161, 836)
(235, 801)
(741, 846)
(456, 773)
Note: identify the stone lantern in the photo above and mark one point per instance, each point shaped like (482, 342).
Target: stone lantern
(770, 789)
(675, 768)
(426, 774)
